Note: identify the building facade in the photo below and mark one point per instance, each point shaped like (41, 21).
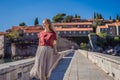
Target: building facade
(112, 29)
(73, 29)
(2, 43)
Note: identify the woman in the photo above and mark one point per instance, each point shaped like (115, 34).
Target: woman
(44, 56)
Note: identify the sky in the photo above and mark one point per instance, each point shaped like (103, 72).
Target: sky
(13, 12)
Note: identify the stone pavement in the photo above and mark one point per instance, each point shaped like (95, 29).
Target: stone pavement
(59, 71)
(77, 67)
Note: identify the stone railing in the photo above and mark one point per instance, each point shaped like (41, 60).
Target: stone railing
(110, 64)
(19, 70)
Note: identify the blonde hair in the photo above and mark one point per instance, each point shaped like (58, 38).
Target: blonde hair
(50, 25)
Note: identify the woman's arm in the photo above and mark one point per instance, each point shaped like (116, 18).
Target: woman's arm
(55, 47)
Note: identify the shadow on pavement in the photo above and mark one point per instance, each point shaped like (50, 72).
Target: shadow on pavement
(59, 71)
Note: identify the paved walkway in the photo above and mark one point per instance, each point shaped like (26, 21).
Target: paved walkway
(77, 67)
(59, 71)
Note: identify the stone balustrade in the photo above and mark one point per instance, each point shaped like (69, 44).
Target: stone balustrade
(110, 64)
(19, 70)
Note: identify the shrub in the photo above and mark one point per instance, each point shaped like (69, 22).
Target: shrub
(83, 46)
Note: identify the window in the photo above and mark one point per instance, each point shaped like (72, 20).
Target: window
(110, 28)
(27, 34)
(88, 31)
(70, 32)
(84, 32)
(58, 32)
(110, 32)
(32, 34)
(74, 32)
(79, 32)
(88, 26)
(64, 32)
(78, 26)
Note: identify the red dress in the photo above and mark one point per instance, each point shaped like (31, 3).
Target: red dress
(46, 38)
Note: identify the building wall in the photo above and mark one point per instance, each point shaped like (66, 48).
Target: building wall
(105, 30)
(73, 33)
(1, 46)
(118, 30)
(112, 30)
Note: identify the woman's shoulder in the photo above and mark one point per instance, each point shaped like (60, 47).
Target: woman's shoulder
(41, 32)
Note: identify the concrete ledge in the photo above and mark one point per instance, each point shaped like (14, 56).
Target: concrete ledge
(110, 64)
(19, 70)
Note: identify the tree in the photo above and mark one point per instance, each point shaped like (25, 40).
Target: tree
(22, 24)
(94, 15)
(95, 24)
(68, 18)
(117, 17)
(36, 22)
(83, 46)
(77, 16)
(110, 18)
(13, 35)
(102, 35)
(98, 16)
(58, 17)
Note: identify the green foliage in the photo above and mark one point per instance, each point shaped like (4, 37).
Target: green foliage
(63, 18)
(68, 19)
(83, 46)
(77, 16)
(118, 17)
(117, 39)
(58, 17)
(22, 24)
(98, 16)
(36, 22)
(110, 18)
(102, 35)
(95, 24)
(13, 35)
(80, 39)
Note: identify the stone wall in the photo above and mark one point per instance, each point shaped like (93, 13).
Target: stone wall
(1, 46)
(110, 64)
(19, 70)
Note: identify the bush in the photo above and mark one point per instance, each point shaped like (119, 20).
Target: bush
(83, 46)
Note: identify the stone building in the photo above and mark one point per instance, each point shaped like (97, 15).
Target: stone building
(2, 43)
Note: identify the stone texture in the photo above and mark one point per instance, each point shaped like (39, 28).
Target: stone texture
(19, 70)
(82, 69)
(108, 63)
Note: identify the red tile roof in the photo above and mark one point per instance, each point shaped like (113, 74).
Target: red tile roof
(111, 24)
(33, 28)
(76, 23)
(108, 20)
(76, 18)
(102, 26)
(2, 33)
(18, 27)
(73, 29)
(26, 27)
(32, 31)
